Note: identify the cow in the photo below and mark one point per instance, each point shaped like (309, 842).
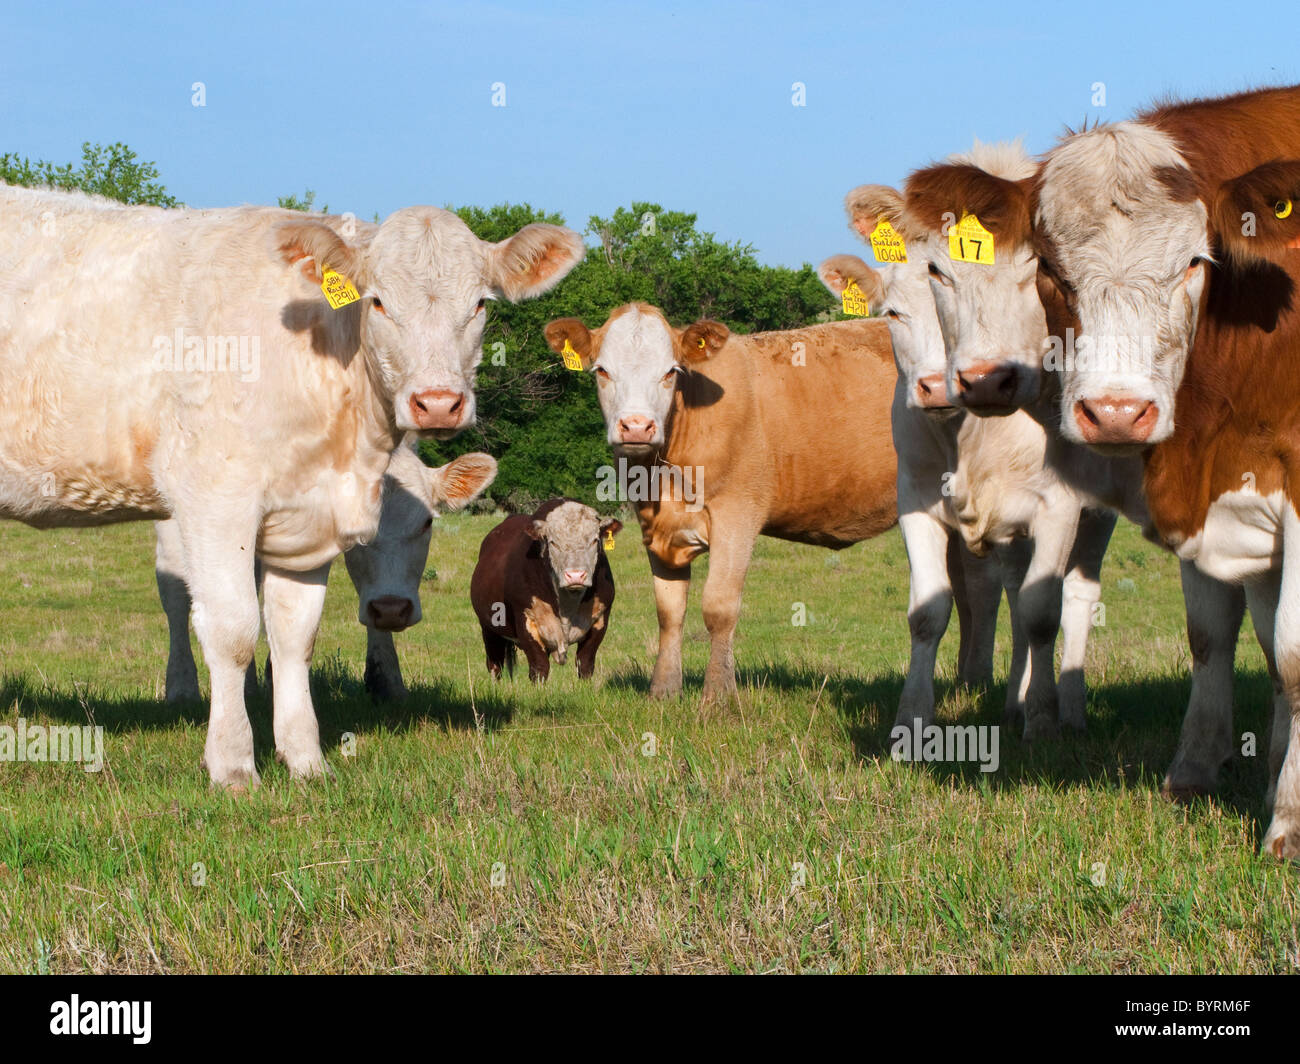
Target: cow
(386, 572)
(1168, 244)
(247, 372)
(542, 583)
(1003, 360)
(720, 438)
(982, 480)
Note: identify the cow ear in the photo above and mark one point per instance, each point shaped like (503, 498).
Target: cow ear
(702, 340)
(611, 526)
(1258, 213)
(868, 205)
(839, 271)
(315, 247)
(462, 480)
(577, 335)
(534, 260)
(536, 529)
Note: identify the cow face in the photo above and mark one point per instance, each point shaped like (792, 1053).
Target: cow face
(425, 281)
(1127, 240)
(388, 569)
(993, 326)
(570, 537)
(637, 359)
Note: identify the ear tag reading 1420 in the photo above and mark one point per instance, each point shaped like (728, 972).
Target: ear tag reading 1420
(572, 360)
(609, 539)
(338, 289)
(887, 244)
(968, 241)
(854, 301)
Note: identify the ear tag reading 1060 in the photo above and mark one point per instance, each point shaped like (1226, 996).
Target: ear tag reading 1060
(609, 539)
(887, 244)
(572, 360)
(968, 241)
(338, 289)
(854, 301)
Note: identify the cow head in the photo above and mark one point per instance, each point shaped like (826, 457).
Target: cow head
(637, 358)
(387, 570)
(993, 325)
(425, 281)
(1128, 239)
(570, 538)
(901, 292)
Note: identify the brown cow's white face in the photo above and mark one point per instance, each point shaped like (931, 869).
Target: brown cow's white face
(571, 544)
(387, 570)
(1127, 248)
(425, 280)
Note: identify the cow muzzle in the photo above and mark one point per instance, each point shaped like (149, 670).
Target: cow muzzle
(574, 579)
(1111, 421)
(636, 429)
(438, 409)
(988, 387)
(390, 613)
(932, 392)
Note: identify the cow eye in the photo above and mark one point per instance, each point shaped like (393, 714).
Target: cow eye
(602, 373)
(481, 304)
(377, 304)
(939, 275)
(671, 374)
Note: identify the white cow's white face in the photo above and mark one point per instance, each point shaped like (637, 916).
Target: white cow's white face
(637, 359)
(425, 280)
(387, 570)
(1126, 246)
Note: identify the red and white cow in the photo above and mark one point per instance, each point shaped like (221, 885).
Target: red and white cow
(186, 364)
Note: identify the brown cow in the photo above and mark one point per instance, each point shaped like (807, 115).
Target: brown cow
(721, 438)
(542, 582)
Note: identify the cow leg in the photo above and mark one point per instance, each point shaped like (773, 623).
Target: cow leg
(539, 661)
(977, 588)
(497, 649)
(1013, 561)
(219, 570)
(169, 571)
(929, 606)
(1081, 592)
(292, 604)
(1214, 614)
(1282, 839)
(383, 676)
(589, 644)
(729, 555)
(671, 587)
(1055, 529)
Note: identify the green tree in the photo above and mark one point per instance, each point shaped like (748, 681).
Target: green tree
(111, 170)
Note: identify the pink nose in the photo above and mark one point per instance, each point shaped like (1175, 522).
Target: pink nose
(438, 408)
(575, 577)
(636, 429)
(932, 392)
(1119, 421)
(390, 613)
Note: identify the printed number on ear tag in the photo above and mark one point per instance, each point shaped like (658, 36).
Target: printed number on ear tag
(338, 289)
(968, 241)
(854, 301)
(887, 244)
(572, 360)
(609, 539)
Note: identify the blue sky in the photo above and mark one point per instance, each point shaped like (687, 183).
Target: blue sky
(378, 106)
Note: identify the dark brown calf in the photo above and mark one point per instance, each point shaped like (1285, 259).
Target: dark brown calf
(543, 582)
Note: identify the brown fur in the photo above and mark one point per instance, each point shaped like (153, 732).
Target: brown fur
(954, 189)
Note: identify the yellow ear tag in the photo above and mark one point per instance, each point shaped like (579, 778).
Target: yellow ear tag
(1282, 209)
(968, 241)
(572, 360)
(887, 244)
(854, 301)
(609, 539)
(701, 343)
(338, 289)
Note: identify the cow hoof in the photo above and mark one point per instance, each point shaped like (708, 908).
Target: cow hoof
(1013, 718)
(236, 781)
(308, 766)
(1283, 839)
(665, 690)
(1183, 793)
(182, 695)
(1041, 729)
(1078, 726)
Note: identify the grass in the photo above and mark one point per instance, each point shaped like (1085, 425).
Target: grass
(507, 828)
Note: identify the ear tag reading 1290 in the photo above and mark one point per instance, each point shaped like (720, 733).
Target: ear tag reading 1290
(338, 289)
(572, 360)
(968, 241)
(887, 243)
(854, 301)
(609, 539)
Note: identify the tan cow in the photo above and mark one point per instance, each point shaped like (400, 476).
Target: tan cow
(189, 364)
(721, 438)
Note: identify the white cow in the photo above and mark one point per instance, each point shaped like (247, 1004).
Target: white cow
(984, 480)
(386, 571)
(186, 364)
(1000, 359)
